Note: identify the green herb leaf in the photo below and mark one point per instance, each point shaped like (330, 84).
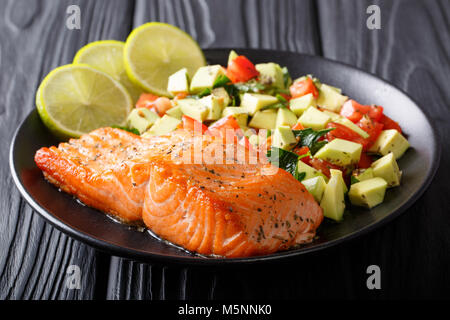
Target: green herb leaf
(285, 91)
(300, 176)
(205, 92)
(250, 86)
(317, 146)
(353, 180)
(221, 81)
(310, 137)
(283, 159)
(132, 130)
(286, 77)
(281, 98)
(233, 93)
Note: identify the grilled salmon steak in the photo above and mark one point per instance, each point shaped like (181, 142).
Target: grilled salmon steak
(230, 209)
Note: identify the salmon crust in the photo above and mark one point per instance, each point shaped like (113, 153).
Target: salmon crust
(232, 209)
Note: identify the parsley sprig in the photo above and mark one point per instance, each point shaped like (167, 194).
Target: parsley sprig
(285, 160)
(310, 138)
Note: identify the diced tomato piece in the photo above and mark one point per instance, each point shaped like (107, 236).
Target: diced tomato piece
(162, 105)
(365, 161)
(226, 123)
(372, 128)
(302, 151)
(241, 69)
(146, 100)
(324, 166)
(303, 87)
(375, 113)
(388, 123)
(343, 132)
(298, 126)
(193, 125)
(220, 127)
(152, 102)
(180, 95)
(353, 111)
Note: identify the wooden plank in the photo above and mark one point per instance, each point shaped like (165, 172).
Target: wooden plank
(216, 23)
(238, 23)
(412, 50)
(34, 256)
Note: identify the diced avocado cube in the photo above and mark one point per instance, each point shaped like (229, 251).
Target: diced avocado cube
(309, 171)
(387, 168)
(301, 104)
(333, 202)
(333, 115)
(239, 113)
(163, 126)
(175, 112)
(390, 141)
(254, 140)
(204, 77)
(141, 119)
(338, 90)
(340, 152)
(346, 122)
(285, 117)
(253, 102)
(178, 82)
(363, 174)
(222, 95)
(330, 99)
(233, 55)
(265, 119)
(368, 193)
(214, 105)
(338, 173)
(271, 74)
(193, 108)
(283, 137)
(315, 186)
(313, 118)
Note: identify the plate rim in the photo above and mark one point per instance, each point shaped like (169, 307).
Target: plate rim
(147, 257)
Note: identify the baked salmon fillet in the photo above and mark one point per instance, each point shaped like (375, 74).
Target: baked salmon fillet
(230, 209)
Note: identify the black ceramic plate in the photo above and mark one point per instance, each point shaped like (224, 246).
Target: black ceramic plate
(88, 225)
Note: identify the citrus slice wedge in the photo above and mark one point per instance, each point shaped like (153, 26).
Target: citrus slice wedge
(76, 99)
(107, 56)
(155, 50)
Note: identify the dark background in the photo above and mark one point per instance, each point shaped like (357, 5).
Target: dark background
(412, 50)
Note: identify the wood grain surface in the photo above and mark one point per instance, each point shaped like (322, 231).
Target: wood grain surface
(412, 50)
(34, 256)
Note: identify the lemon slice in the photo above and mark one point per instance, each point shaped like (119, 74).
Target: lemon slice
(76, 99)
(107, 56)
(155, 50)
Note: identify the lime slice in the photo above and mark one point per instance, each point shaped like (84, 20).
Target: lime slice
(155, 50)
(76, 99)
(107, 56)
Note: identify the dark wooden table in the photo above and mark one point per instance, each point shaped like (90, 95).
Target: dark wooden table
(412, 49)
